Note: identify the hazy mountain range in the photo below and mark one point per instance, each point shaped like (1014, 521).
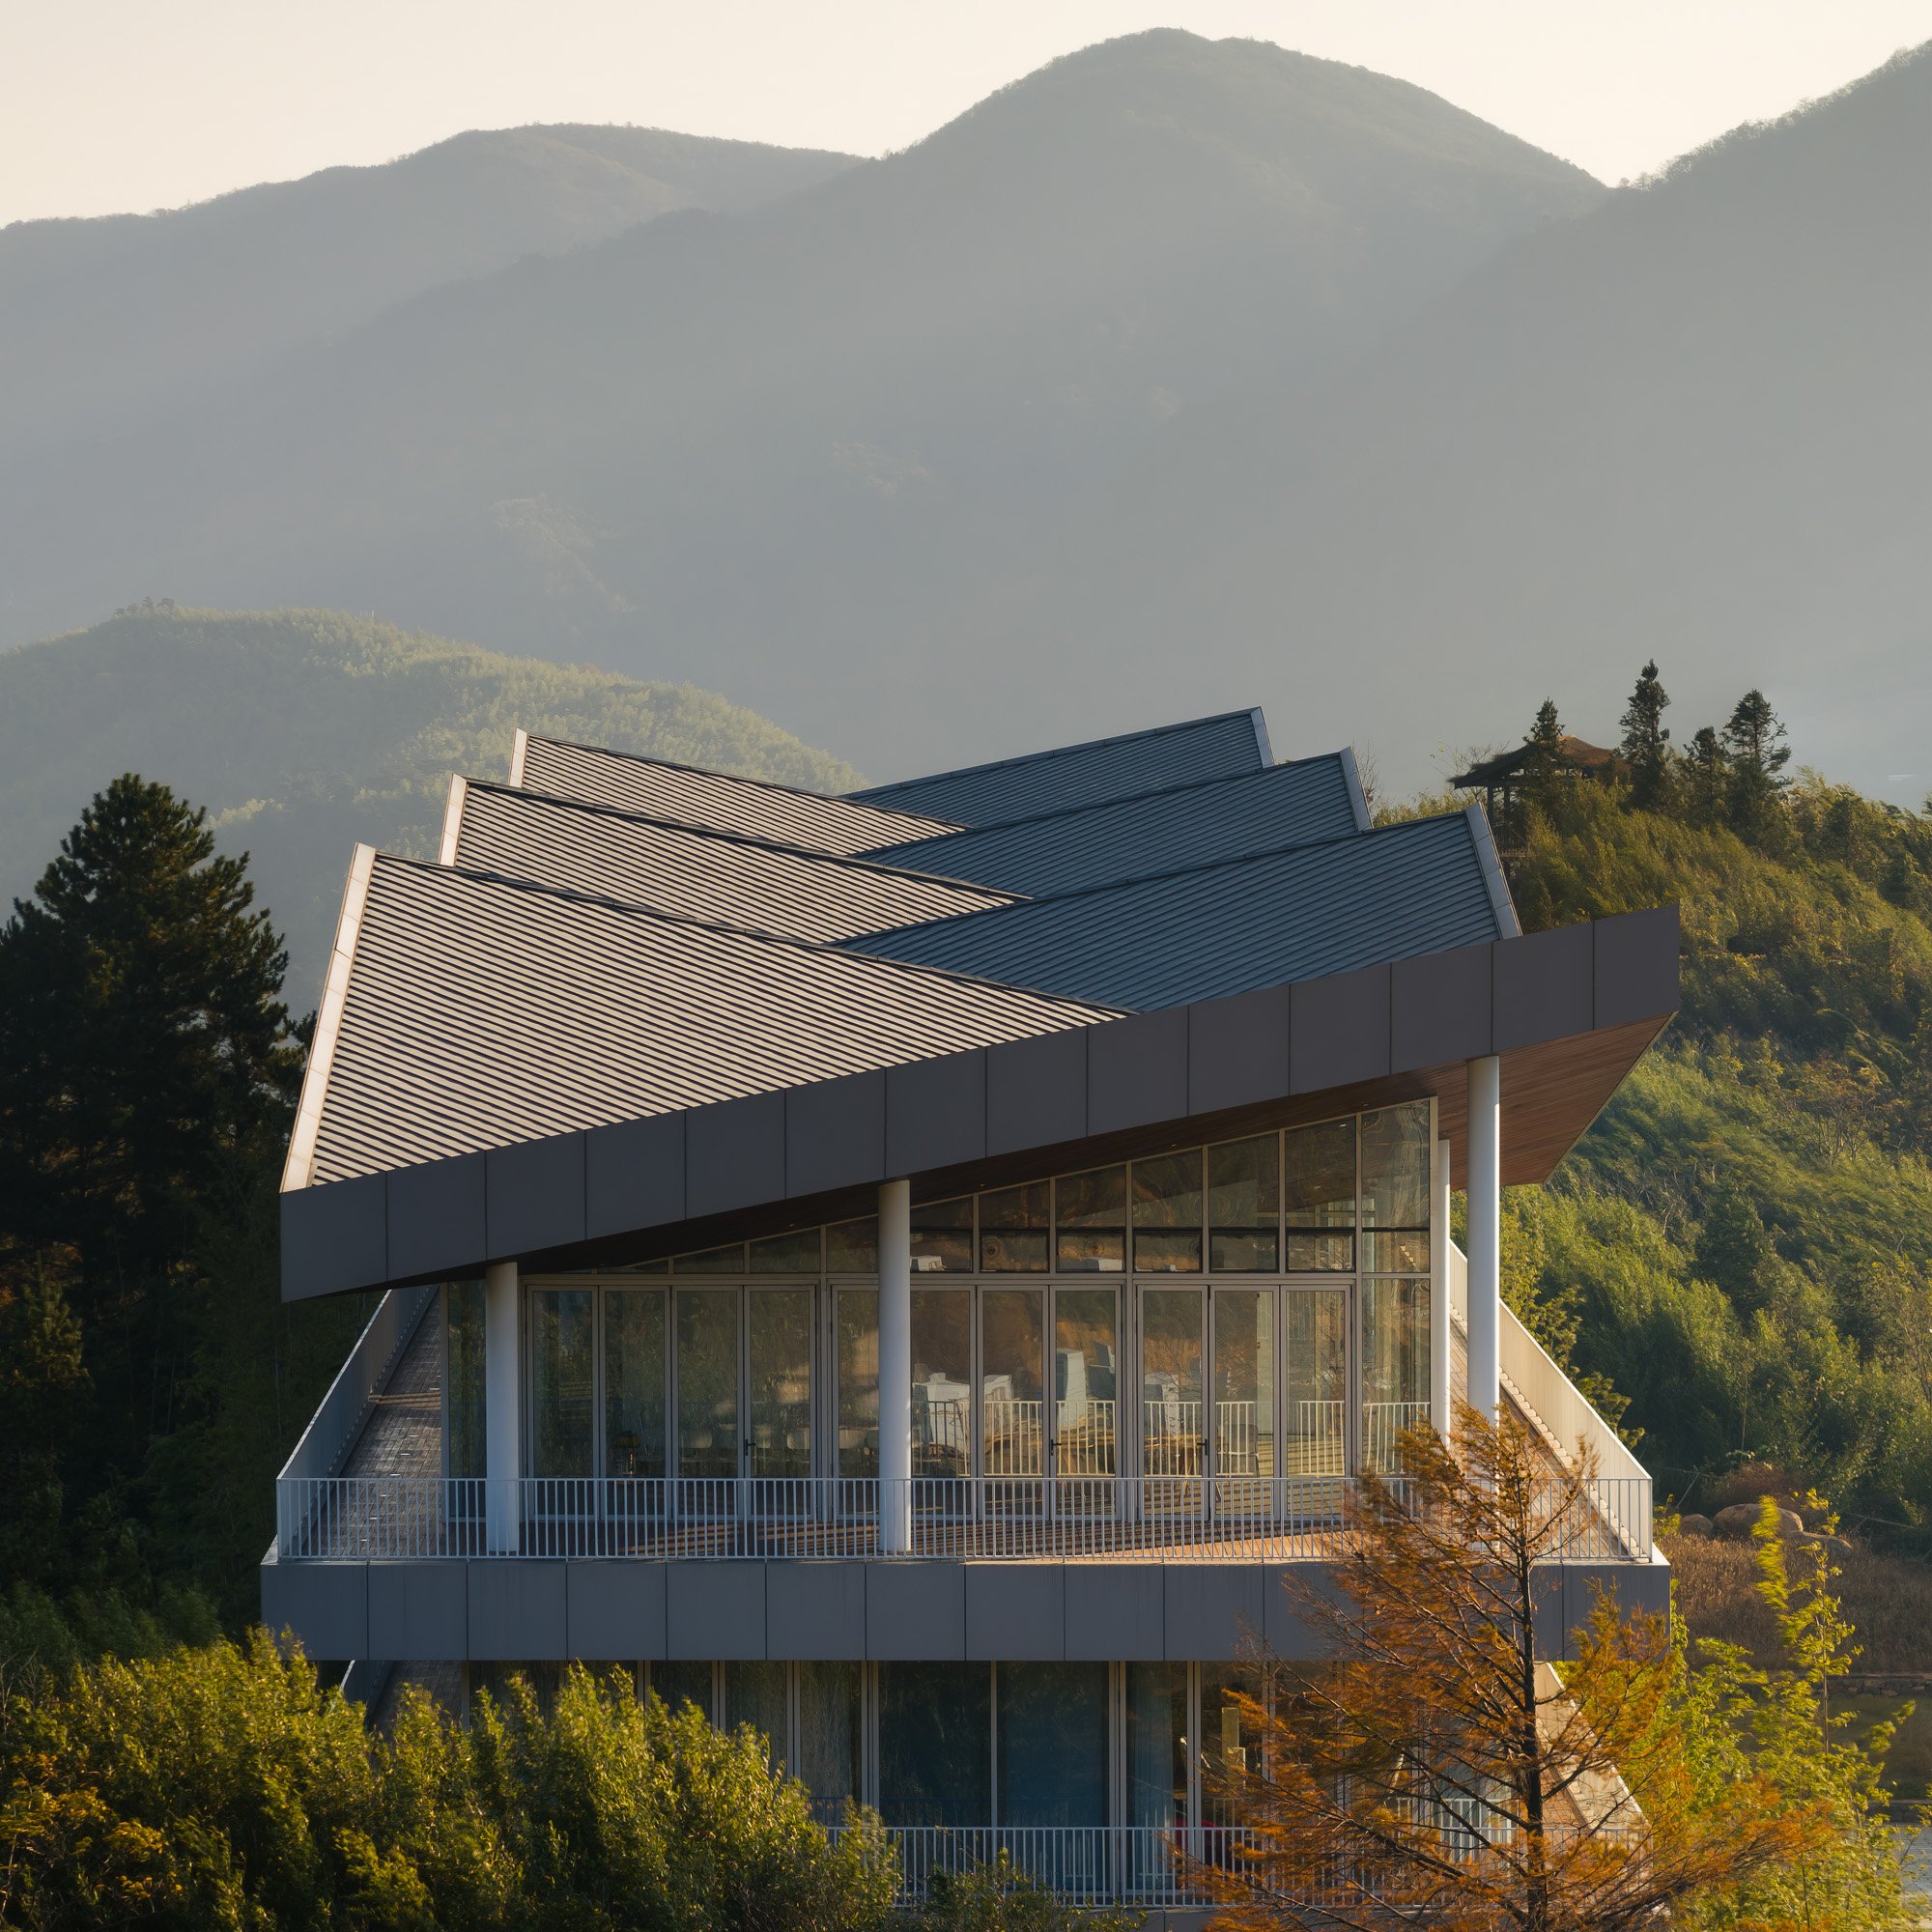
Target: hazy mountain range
(1177, 375)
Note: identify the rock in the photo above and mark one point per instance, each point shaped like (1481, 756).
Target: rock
(1695, 1525)
(1740, 1518)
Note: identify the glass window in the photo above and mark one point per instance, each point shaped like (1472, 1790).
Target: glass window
(708, 1382)
(852, 1247)
(857, 1341)
(1230, 1749)
(936, 1744)
(942, 1381)
(1091, 1213)
(714, 1261)
(661, 1266)
(1244, 1206)
(1171, 1372)
(787, 1253)
(757, 1693)
(1244, 1394)
(831, 1728)
(1315, 1369)
(634, 1381)
(682, 1680)
(942, 1237)
(1011, 1345)
(779, 1359)
(1086, 1375)
(561, 1367)
(463, 1346)
(1318, 1181)
(1014, 1228)
(1167, 1213)
(1395, 1367)
(1157, 1749)
(1053, 1745)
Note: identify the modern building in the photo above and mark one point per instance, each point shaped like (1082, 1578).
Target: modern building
(913, 1269)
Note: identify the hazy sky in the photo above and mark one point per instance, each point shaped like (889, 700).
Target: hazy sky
(113, 105)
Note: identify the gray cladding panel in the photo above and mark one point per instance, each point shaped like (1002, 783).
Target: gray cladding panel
(1017, 1611)
(419, 1609)
(1117, 1613)
(835, 1133)
(1214, 1610)
(1137, 1070)
(335, 1236)
(1636, 966)
(615, 1610)
(815, 1612)
(633, 1175)
(436, 1220)
(1339, 1029)
(534, 1194)
(1035, 1091)
(1440, 1008)
(916, 1610)
(735, 1155)
(326, 1604)
(1545, 987)
(715, 1610)
(936, 1113)
(1237, 1050)
(517, 1611)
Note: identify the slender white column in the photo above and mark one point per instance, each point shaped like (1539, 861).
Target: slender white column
(895, 1365)
(503, 1403)
(1485, 1231)
(1441, 1409)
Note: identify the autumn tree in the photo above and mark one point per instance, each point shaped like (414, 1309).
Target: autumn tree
(1438, 1769)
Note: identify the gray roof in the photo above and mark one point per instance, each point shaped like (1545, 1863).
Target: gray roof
(719, 877)
(466, 1012)
(1165, 939)
(1300, 804)
(690, 796)
(1075, 774)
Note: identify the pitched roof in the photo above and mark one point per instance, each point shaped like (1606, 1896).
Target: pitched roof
(1224, 746)
(695, 874)
(1196, 824)
(1211, 930)
(470, 1011)
(691, 796)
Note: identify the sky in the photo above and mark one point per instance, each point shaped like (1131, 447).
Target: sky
(111, 106)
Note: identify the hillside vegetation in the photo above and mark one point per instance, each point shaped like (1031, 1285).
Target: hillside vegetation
(304, 731)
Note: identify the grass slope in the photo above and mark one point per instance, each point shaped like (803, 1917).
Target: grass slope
(304, 731)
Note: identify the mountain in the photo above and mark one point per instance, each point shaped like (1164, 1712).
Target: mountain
(304, 731)
(789, 450)
(142, 313)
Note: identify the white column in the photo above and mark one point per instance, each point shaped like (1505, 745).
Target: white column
(1485, 1231)
(895, 1366)
(503, 1403)
(1441, 1408)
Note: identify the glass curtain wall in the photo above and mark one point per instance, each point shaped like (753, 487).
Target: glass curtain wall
(1395, 1284)
(634, 1381)
(1086, 1377)
(936, 1744)
(1012, 1342)
(562, 1387)
(857, 1345)
(942, 1383)
(708, 1382)
(464, 1440)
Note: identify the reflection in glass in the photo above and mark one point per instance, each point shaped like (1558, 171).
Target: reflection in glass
(463, 1344)
(634, 1381)
(1394, 1167)
(562, 1345)
(1085, 1376)
(1171, 1367)
(714, 1261)
(1167, 1213)
(1315, 1355)
(756, 1693)
(1395, 1367)
(1397, 1251)
(780, 1361)
(787, 1253)
(1014, 1227)
(1090, 1215)
(1157, 1746)
(1243, 1205)
(829, 1730)
(852, 1247)
(858, 1322)
(1052, 1745)
(936, 1744)
(682, 1680)
(942, 1237)
(942, 1381)
(1319, 1185)
(1243, 1396)
(1227, 1741)
(708, 1382)
(1011, 1347)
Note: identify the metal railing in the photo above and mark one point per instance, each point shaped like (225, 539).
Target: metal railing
(1172, 1519)
(1084, 1864)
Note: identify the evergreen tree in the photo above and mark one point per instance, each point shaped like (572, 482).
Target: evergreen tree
(1646, 742)
(1754, 743)
(1707, 778)
(1542, 774)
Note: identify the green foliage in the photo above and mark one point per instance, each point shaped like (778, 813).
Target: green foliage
(997, 1898)
(223, 1786)
(1646, 739)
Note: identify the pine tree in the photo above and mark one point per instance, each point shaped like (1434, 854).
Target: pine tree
(1542, 774)
(1646, 742)
(1707, 778)
(1755, 744)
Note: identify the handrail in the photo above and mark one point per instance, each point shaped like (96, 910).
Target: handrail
(338, 1419)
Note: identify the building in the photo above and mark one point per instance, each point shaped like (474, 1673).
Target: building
(912, 1269)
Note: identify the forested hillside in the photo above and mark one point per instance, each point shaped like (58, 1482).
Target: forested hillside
(1742, 1246)
(304, 731)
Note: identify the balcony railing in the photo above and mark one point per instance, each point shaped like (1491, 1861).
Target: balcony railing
(1085, 1864)
(1281, 1519)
